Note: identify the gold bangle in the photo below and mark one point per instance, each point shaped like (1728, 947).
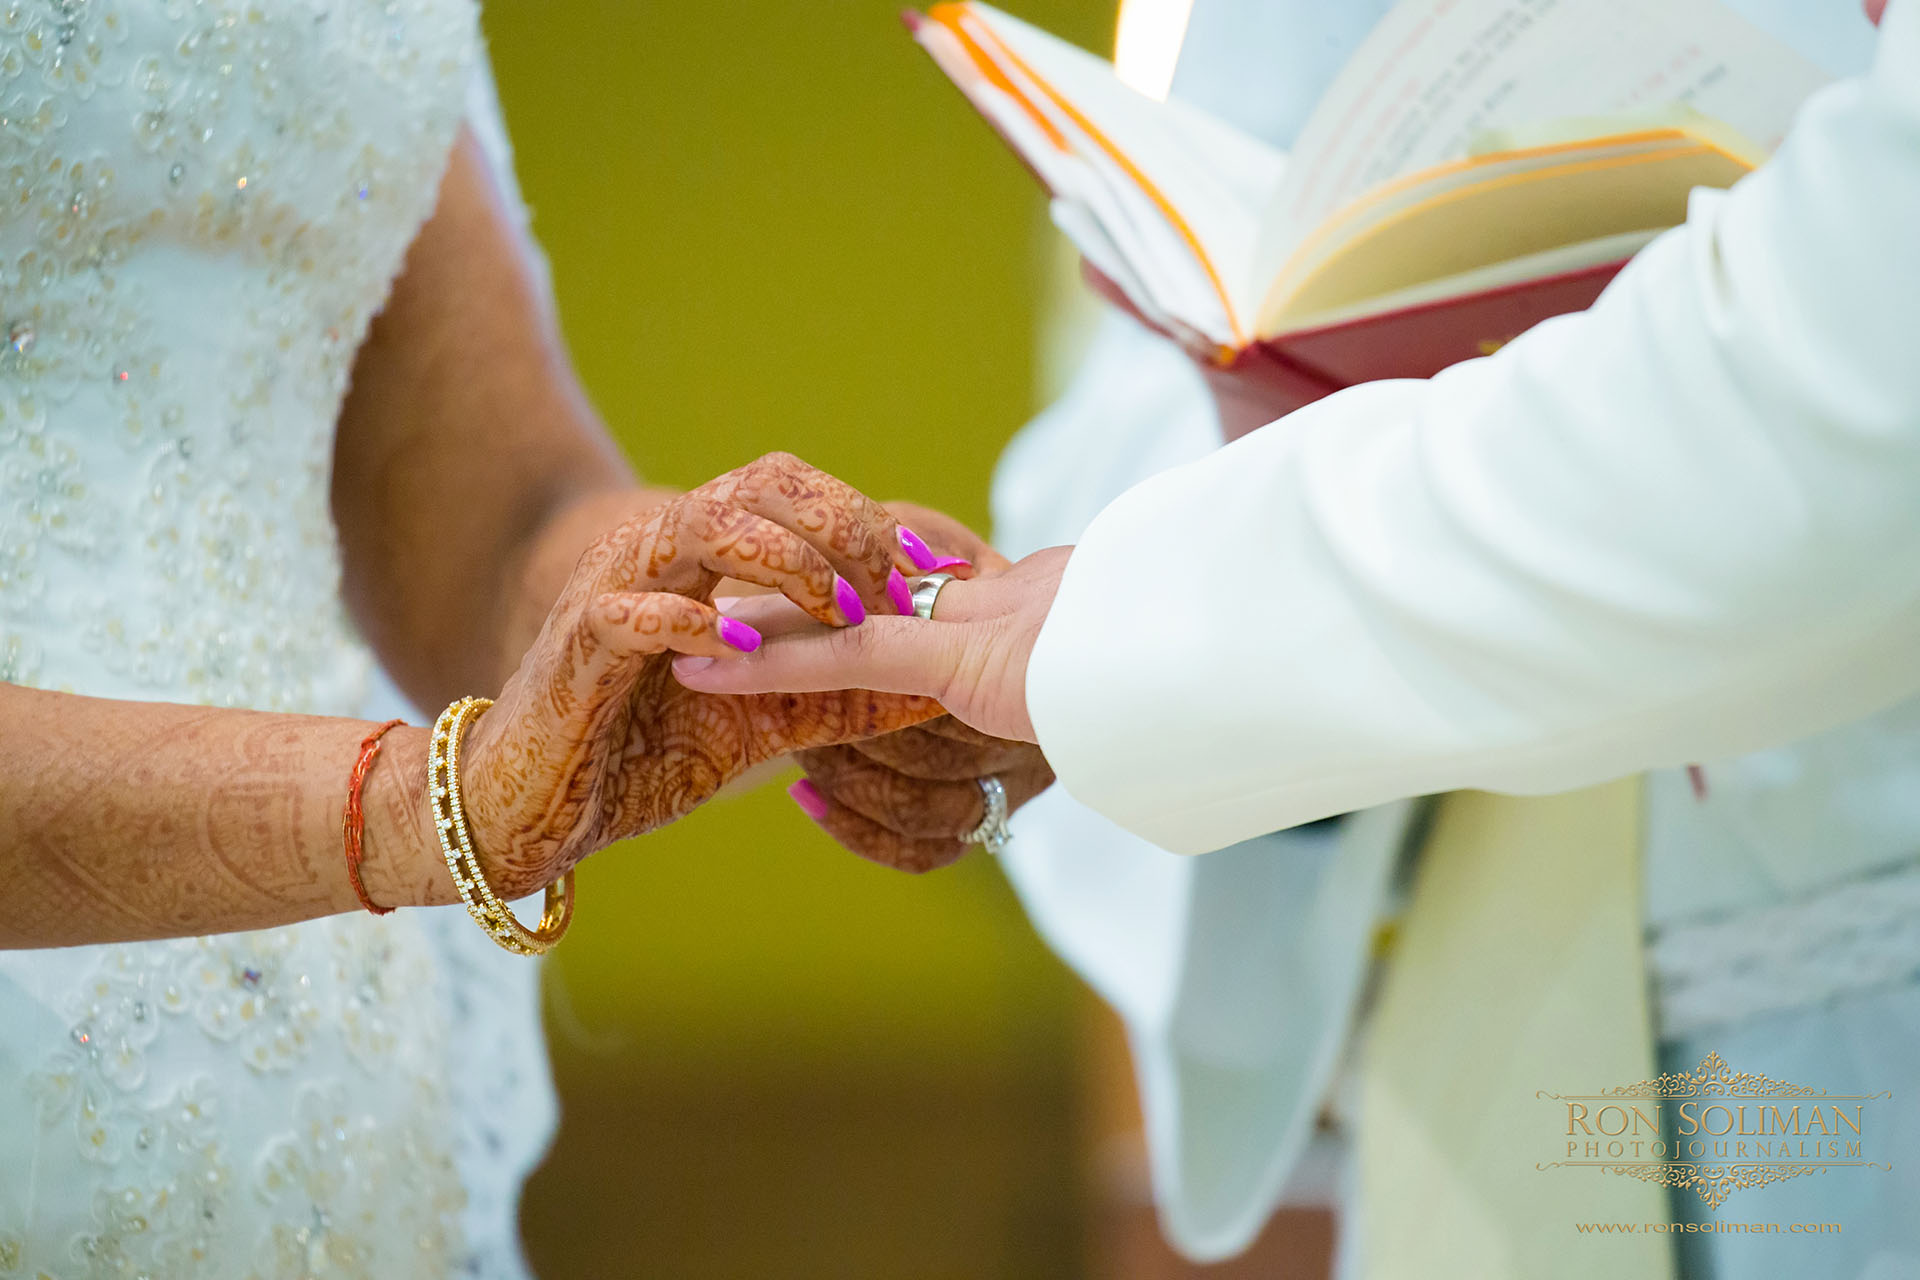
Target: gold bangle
(450, 824)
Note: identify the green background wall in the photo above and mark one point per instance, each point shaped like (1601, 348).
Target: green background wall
(773, 225)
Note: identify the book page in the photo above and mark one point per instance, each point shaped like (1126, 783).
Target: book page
(1436, 73)
(1173, 195)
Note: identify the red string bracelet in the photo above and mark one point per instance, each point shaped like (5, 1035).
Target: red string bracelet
(353, 823)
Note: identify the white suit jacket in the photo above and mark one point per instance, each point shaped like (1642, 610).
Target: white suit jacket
(1681, 524)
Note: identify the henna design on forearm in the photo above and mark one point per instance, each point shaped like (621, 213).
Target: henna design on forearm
(122, 820)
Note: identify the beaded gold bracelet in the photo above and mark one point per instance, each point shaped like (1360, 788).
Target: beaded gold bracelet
(450, 824)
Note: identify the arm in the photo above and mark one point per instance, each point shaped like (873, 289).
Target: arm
(1681, 524)
(122, 820)
(467, 456)
(125, 820)
(493, 540)
(469, 470)
(474, 492)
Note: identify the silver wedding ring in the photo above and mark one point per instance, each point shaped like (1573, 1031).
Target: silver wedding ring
(992, 831)
(926, 591)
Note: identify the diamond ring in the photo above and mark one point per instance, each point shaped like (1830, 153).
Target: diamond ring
(992, 831)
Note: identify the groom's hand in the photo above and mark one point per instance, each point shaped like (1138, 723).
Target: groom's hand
(972, 656)
(906, 799)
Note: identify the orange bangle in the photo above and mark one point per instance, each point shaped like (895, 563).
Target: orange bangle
(353, 823)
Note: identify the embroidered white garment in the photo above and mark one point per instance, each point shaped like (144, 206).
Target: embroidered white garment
(1860, 935)
(204, 203)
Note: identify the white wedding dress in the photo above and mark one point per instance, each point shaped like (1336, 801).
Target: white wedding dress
(202, 205)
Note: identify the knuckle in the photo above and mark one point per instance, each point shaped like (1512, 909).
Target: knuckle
(614, 611)
(705, 513)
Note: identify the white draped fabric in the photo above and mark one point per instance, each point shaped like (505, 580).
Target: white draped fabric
(1238, 982)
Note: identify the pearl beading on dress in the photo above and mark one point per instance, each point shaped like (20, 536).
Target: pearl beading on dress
(206, 204)
(202, 205)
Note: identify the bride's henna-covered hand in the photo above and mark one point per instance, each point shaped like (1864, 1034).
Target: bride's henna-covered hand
(905, 799)
(592, 740)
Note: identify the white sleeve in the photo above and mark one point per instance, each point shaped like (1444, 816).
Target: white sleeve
(1236, 974)
(1682, 524)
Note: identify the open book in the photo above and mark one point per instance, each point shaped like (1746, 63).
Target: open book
(1477, 166)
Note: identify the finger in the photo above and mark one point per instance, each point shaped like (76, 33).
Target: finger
(913, 807)
(966, 735)
(771, 615)
(923, 753)
(619, 630)
(646, 623)
(931, 557)
(789, 723)
(651, 622)
(916, 807)
(582, 677)
(891, 655)
(937, 543)
(862, 835)
(718, 538)
(856, 534)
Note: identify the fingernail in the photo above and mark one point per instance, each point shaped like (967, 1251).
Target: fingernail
(917, 550)
(687, 666)
(808, 797)
(899, 593)
(849, 601)
(948, 562)
(739, 635)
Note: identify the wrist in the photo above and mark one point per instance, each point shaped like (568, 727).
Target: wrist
(512, 866)
(401, 864)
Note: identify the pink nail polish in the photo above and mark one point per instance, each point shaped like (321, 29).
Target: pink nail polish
(808, 797)
(849, 601)
(948, 562)
(917, 550)
(899, 593)
(739, 635)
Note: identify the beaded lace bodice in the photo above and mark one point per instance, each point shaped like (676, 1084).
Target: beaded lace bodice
(205, 203)
(202, 204)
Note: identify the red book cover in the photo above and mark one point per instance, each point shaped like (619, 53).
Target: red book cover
(1414, 342)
